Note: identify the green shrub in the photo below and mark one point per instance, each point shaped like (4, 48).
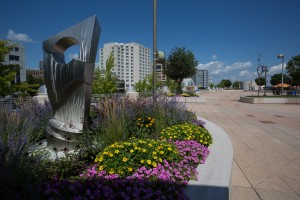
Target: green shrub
(187, 131)
(125, 157)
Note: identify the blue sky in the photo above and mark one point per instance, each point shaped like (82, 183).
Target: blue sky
(226, 36)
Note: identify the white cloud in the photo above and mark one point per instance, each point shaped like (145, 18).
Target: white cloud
(245, 73)
(73, 56)
(276, 69)
(218, 67)
(21, 37)
(214, 57)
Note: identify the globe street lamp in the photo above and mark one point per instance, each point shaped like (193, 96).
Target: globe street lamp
(282, 57)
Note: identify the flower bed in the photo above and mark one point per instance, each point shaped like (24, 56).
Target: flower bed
(132, 150)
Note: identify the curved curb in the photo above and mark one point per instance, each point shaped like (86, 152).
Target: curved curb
(215, 174)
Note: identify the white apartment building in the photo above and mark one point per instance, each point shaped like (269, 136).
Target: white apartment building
(17, 56)
(132, 61)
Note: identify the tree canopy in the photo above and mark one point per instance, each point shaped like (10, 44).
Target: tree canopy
(105, 83)
(224, 83)
(181, 63)
(276, 79)
(236, 84)
(260, 81)
(293, 69)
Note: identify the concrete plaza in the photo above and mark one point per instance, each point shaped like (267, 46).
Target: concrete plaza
(266, 144)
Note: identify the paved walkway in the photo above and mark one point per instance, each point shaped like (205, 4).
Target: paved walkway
(266, 144)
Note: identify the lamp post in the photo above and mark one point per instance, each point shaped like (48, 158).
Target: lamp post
(154, 51)
(265, 70)
(282, 58)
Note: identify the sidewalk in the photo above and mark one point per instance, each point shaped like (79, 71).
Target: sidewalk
(266, 144)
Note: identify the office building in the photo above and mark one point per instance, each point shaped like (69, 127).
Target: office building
(35, 73)
(132, 61)
(17, 56)
(202, 78)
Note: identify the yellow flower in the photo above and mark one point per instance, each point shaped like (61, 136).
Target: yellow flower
(160, 160)
(147, 125)
(154, 157)
(169, 148)
(144, 150)
(125, 159)
(117, 151)
(161, 152)
(111, 171)
(96, 160)
(101, 167)
(154, 153)
(111, 155)
(149, 118)
(149, 162)
(139, 119)
(142, 161)
(131, 151)
(105, 153)
(130, 169)
(154, 164)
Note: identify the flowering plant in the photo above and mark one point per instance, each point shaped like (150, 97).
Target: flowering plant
(144, 126)
(187, 131)
(124, 158)
(184, 95)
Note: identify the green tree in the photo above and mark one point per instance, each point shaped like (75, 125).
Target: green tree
(144, 86)
(236, 84)
(293, 69)
(260, 81)
(211, 85)
(7, 72)
(276, 79)
(225, 83)
(181, 63)
(105, 83)
(7, 78)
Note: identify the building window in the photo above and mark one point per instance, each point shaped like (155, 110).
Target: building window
(16, 48)
(14, 58)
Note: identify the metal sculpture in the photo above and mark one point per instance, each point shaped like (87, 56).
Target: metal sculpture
(69, 84)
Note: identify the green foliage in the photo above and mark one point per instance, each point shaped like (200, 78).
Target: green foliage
(260, 81)
(181, 64)
(34, 84)
(112, 120)
(65, 167)
(125, 158)
(105, 83)
(7, 76)
(293, 68)
(211, 85)
(224, 83)
(236, 84)
(187, 131)
(172, 85)
(5, 48)
(276, 79)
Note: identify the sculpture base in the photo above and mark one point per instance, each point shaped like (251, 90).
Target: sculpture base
(60, 136)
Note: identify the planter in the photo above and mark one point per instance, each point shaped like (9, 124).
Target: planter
(215, 174)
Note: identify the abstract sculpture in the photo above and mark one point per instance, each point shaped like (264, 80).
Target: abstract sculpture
(69, 85)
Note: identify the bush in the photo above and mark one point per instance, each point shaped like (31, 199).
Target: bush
(187, 131)
(124, 158)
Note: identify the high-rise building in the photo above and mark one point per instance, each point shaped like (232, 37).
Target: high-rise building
(132, 61)
(202, 78)
(17, 56)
